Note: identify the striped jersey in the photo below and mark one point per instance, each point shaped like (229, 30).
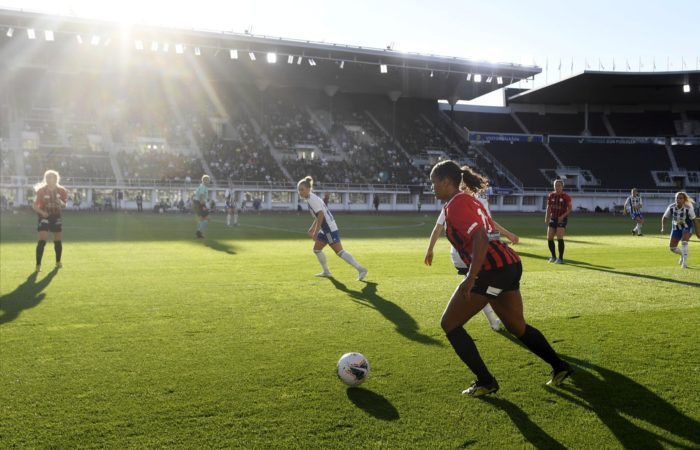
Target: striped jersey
(316, 205)
(682, 217)
(634, 203)
(558, 204)
(51, 200)
(464, 215)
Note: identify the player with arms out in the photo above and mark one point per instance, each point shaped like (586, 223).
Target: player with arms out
(200, 206)
(50, 199)
(324, 231)
(493, 278)
(683, 222)
(557, 216)
(633, 206)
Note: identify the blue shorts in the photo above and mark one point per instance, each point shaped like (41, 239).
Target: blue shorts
(636, 215)
(678, 234)
(329, 238)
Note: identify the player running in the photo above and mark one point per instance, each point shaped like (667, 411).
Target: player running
(50, 199)
(325, 231)
(683, 222)
(633, 206)
(200, 206)
(493, 278)
(557, 216)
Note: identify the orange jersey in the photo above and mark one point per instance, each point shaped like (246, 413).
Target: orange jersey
(51, 201)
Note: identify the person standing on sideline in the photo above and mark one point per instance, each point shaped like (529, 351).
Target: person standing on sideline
(461, 266)
(375, 201)
(200, 206)
(493, 278)
(633, 206)
(139, 202)
(50, 199)
(557, 216)
(684, 221)
(324, 231)
(231, 210)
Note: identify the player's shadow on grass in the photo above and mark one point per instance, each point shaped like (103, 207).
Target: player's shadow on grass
(570, 262)
(631, 411)
(373, 404)
(26, 296)
(405, 324)
(529, 429)
(219, 246)
(632, 274)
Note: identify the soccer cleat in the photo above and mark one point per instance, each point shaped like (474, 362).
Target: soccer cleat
(559, 261)
(38, 267)
(199, 234)
(634, 232)
(684, 264)
(363, 273)
(558, 376)
(324, 274)
(552, 259)
(680, 261)
(59, 265)
(640, 234)
(477, 389)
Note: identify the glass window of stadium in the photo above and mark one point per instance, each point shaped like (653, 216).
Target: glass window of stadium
(510, 200)
(169, 195)
(281, 197)
(357, 198)
(384, 199)
(427, 199)
(403, 199)
(334, 197)
(530, 200)
(250, 197)
(7, 197)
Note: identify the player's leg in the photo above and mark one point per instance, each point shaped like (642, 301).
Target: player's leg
(673, 244)
(40, 244)
(640, 222)
(228, 217)
(509, 307)
(551, 231)
(235, 216)
(684, 247)
(459, 310)
(58, 248)
(318, 251)
(348, 258)
(561, 232)
(491, 316)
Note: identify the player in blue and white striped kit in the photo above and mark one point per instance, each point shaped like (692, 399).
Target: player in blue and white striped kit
(683, 223)
(325, 231)
(633, 206)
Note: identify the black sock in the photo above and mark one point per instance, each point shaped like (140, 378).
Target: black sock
(550, 243)
(58, 246)
(466, 350)
(537, 343)
(40, 251)
(561, 248)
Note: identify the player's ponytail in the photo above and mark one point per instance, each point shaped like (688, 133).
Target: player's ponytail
(306, 181)
(472, 181)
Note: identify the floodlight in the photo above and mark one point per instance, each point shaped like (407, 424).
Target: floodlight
(383, 68)
(79, 38)
(233, 54)
(499, 80)
(290, 59)
(166, 47)
(138, 44)
(154, 46)
(95, 40)
(489, 79)
(312, 62)
(431, 74)
(272, 58)
(299, 59)
(197, 51)
(10, 32)
(477, 78)
(342, 64)
(48, 35)
(179, 49)
(252, 56)
(686, 88)
(31, 34)
(469, 77)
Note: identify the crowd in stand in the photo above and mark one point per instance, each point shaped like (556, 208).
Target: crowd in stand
(288, 125)
(160, 164)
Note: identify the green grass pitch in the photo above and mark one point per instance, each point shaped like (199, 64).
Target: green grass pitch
(148, 338)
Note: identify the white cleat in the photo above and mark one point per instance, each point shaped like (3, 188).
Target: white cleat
(552, 259)
(361, 276)
(324, 274)
(684, 264)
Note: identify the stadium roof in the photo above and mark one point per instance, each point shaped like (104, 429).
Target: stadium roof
(303, 64)
(617, 88)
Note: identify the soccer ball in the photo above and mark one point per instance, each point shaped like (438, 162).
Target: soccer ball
(353, 369)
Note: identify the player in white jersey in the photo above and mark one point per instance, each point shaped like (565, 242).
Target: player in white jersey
(633, 206)
(683, 222)
(461, 267)
(324, 231)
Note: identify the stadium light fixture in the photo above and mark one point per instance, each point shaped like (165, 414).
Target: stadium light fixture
(179, 49)
(299, 59)
(477, 78)
(138, 44)
(499, 80)
(686, 88)
(342, 64)
(312, 62)
(154, 46)
(290, 59)
(31, 34)
(166, 47)
(10, 32)
(272, 58)
(252, 56)
(431, 74)
(48, 35)
(469, 77)
(233, 53)
(489, 79)
(383, 68)
(95, 40)
(197, 51)
(79, 38)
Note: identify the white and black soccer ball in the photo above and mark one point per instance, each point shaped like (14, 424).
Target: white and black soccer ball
(353, 369)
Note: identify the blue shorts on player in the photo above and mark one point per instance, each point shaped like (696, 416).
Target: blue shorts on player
(636, 215)
(677, 233)
(329, 237)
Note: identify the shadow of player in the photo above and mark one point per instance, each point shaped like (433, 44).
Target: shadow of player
(27, 295)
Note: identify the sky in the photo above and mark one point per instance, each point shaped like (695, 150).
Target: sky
(538, 32)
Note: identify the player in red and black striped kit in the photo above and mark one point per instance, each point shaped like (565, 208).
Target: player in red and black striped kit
(557, 216)
(493, 277)
(50, 199)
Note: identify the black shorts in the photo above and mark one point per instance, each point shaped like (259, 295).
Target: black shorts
(52, 223)
(554, 223)
(492, 282)
(201, 208)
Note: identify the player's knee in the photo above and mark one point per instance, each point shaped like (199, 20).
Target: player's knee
(340, 253)
(318, 251)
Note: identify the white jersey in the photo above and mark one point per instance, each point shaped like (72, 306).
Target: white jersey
(682, 217)
(316, 206)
